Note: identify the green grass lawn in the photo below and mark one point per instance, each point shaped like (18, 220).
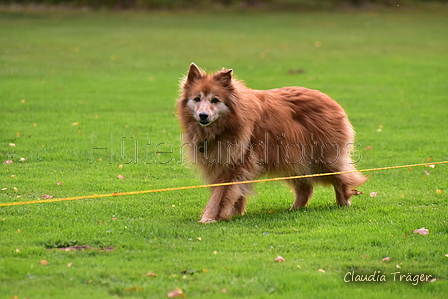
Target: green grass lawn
(88, 96)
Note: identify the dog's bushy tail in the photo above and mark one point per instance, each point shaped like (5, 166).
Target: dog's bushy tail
(354, 179)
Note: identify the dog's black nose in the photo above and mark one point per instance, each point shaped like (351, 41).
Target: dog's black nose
(203, 116)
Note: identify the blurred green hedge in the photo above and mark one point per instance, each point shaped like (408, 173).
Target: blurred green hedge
(182, 4)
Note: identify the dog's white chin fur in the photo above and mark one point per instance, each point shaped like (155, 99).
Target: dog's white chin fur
(207, 124)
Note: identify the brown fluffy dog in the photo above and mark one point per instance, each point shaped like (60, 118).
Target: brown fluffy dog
(234, 133)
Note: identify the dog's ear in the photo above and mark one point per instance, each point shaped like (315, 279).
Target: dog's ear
(194, 73)
(224, 77)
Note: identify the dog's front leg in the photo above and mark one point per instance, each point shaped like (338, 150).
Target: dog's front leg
(221, 205)
(212, 209)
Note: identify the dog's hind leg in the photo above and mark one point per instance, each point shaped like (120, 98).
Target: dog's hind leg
(303, 190)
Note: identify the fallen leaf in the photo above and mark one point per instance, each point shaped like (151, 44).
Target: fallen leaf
(17, 250)
(321, 270)
(427, 172)
(43, 262)
(120, 166)
(177, 293)
(75, 123)
(368, 148)
(295, 71)
(422, 231)
(428, 159)
(133, 289)
(120, 176)
(280, 259)
(22, 159)
(386, 259)
(4, 189)
(12, 144)
(397, 266)
(438, 191)
(59, 183)
(69, 264)
(8, 162)
(224, 291)
(373, 194)
(199, 238)
(12, 176)
(150, 274)
(46, 196)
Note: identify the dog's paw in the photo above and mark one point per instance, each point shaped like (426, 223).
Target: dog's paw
(345, 204)
(207, 220)
(297, 207)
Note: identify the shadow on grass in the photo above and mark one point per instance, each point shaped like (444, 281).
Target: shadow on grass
(281, 213)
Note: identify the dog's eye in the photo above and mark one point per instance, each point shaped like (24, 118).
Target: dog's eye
(197, 99)
(215, 100)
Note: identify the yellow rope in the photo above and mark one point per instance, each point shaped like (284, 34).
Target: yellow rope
(214, 185)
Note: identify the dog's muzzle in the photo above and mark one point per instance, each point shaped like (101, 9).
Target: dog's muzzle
(203, 119)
